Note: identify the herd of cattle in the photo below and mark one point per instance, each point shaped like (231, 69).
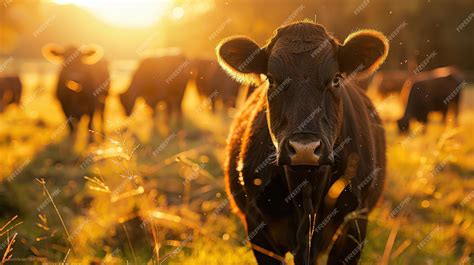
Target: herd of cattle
(84, 81)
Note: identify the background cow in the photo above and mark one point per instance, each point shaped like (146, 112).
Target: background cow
(285, 167)
(159, 79)
(438, 90)
(10, 91)
(387, 83)
(83, 82)
(214, 84)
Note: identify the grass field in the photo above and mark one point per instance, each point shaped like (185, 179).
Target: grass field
(140, 197)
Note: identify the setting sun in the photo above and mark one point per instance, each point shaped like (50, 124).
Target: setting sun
(141, 13)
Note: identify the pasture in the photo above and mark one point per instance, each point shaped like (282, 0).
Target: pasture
(147, 194)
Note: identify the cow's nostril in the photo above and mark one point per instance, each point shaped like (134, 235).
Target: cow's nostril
(318, 148)
(304, 153)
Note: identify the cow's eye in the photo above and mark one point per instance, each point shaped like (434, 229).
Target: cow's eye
(336, 81)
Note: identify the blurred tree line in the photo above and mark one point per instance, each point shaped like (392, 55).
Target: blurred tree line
(440, 30)
(15, 17)
(416, 28)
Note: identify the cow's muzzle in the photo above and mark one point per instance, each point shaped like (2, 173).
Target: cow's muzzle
(301, 150)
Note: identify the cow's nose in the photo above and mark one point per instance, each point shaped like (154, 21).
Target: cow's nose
(305, 153)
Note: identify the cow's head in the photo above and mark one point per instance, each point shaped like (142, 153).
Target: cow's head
(306, 69)
(73, 60)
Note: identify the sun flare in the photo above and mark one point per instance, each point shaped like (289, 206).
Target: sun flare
(124, 13)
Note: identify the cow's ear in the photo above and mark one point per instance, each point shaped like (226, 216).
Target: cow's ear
(91, 53)
(363, 52)
(53, 52)
(242, 58)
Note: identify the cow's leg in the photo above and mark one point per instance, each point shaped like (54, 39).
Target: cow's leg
(445, 116)
(154, 119)
(456, 112)
(90, 131)
(102, 122)
(424, 121)
(179, 115)
(213, 104)
(348, 246)
(70, 119)
(73, 124)
(261, 244)
(167, 114)
(259, 236)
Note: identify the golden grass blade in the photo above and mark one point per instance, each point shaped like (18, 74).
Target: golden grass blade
(44, 227)
(268, 253)
(45, 189)
(357, 214)
(128, 194)
(9, 222)
(7, 255)
(67, 255)
(400, 249)
(101, 186)
(129, 243)
(390, 242)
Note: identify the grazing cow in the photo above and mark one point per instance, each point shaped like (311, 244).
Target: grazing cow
(10, 91)
(213, 83)
(438, 90)
(159, 79)
(83, 83)
(389, 82)
(308, 148)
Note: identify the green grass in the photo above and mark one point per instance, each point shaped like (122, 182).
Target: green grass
(172, 206)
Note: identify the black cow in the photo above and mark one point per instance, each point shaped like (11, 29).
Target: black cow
(389, 82)
(438, 90)
(10, 91)
(159, 79)
(308, 148)
(213, 83)
(83, 83)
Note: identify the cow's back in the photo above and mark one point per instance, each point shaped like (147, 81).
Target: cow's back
(162, 78)
(431, 94)
(211, 80)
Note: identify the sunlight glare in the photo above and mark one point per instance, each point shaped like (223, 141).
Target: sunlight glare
(139, 13)
(177, 13)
